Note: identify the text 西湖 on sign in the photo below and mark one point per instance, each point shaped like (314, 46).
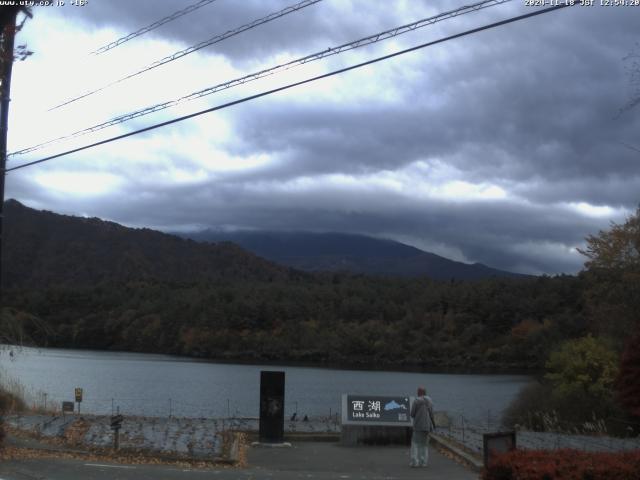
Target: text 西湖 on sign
(373, 409)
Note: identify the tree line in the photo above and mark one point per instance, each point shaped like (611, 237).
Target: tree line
(494, 324)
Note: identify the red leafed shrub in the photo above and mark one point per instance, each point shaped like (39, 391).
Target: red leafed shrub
(628, 381)
(563, 465)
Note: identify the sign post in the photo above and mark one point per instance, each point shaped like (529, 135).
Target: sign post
(116, 424)
(78, 393)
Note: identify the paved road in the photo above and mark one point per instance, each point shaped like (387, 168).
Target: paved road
(304, 460)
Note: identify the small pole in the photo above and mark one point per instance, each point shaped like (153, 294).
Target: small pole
(116, 439)
(112, 409)
(170, 408)
(462, 416)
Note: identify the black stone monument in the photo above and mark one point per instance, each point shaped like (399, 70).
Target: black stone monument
(271, 407)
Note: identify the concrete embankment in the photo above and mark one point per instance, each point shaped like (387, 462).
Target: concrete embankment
(186, 436)
(193, 437)
(175, 438)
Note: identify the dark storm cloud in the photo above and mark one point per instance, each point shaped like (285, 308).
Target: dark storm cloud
(505, 236)
(495, 233)
(530, 108)
(506, 108)
(616, 191)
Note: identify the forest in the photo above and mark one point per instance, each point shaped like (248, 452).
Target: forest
(334, 319)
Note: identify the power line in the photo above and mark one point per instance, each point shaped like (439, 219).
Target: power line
(199, 46)
(378, 37)
(296, 84)
(153, 26)
(631, 147)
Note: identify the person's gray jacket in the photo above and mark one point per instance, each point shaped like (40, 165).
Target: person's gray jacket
(422, 412)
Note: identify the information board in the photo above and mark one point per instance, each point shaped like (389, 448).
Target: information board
(376, 410)
(116, 421)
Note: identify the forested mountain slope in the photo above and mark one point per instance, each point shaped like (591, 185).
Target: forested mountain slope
(42, 248)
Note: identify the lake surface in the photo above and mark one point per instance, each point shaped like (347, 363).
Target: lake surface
(159, 385)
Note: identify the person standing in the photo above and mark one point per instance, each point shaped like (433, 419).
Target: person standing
(423, 423)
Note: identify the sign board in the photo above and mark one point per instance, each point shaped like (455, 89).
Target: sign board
(78, 395)
(496, 443)
(67, 407)
(376, 410)
(116, 421)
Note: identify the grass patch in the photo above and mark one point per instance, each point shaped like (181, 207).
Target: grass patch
(11, 403)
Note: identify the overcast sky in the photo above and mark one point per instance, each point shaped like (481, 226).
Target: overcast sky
(505, 147)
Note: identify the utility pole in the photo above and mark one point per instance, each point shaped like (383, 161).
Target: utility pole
(8, 36)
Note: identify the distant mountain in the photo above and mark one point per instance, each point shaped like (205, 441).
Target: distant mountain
(350, 253)
(42, 248)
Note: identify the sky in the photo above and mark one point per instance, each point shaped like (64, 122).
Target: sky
(506, 147)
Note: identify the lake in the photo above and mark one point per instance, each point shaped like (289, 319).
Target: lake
(161, 385)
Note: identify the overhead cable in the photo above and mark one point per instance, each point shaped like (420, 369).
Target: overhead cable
(153, 26)
(199, 46)
(296, 84)
(394, 32)
(631, 147)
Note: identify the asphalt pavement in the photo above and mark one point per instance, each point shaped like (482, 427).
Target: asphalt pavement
(303, 460)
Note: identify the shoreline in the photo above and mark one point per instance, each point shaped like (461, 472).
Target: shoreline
(358, 366)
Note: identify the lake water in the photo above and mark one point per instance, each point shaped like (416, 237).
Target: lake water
(159, 385)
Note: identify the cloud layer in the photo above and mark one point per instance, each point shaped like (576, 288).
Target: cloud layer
(505, 147)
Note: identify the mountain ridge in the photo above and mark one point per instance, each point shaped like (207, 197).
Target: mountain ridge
(42, 248)
(352, 253)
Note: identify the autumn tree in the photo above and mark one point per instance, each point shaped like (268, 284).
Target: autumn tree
(612, 271)
(582, 367)
(616, 249)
